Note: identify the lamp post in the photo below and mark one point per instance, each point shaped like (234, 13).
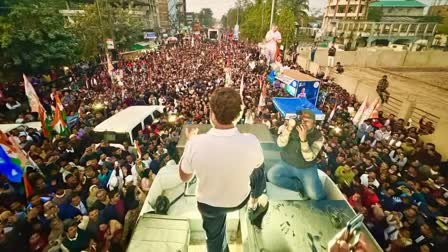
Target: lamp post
(272, 13)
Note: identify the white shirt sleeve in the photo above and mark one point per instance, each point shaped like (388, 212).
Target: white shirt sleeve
(186, 162)
(364, 180)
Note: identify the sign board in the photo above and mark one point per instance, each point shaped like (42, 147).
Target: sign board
(110, 44)
(150, 35)
(308, 89)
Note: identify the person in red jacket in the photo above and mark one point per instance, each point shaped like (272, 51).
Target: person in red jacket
(369, 197)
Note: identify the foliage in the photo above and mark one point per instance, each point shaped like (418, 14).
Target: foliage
(442, 29)
(255, 18)
(256, 21)
(431, 19)
(33, 38)
(102, 22)
(299, 9)
(206, 17)
(286, 24)
(375, 14)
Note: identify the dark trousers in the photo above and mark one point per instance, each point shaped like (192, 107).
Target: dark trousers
(214, 224)
(384, 95)
(214, 218)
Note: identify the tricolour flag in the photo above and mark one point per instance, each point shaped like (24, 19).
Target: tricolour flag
(59, 123)
(357, 118)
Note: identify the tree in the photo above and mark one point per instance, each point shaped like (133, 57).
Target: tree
(256, 21)
(286, 25)
(101, 22)
(375, 14)
(299, 9)
(206, 17)
(33, 38)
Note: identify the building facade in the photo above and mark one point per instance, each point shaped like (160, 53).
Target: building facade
(163, 16)
(439, 10)
(176, 15)
(399, 8)
(143, 9)
(189, 19)
(339, 10)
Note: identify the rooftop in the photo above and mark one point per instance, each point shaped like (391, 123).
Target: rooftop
(398, 3)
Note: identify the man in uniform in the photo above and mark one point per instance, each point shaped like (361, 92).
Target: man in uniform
(381, 89)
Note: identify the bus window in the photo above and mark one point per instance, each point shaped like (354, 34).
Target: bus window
(135, 130)
(148, 120)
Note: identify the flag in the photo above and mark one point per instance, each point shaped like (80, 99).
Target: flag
(33, 99)
(9, 168)
(43, 121)
(368, 112)
(262, 101)
(35, 105)
(332, 113)
(137, 148)
(59, 123)
(110, 67)
(357, 118)
(12, 159)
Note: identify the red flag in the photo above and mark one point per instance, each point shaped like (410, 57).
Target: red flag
(27, 185)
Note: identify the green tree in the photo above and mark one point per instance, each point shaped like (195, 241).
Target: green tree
(102, 21)
(256, 20)
(299, 9)
(206, 17)
(286, 25)
(33, 38)
(375, 14)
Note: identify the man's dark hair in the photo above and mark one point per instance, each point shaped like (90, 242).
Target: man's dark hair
(225, 103)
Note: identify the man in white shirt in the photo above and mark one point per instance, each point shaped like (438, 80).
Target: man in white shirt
(273, 37)
(369, 179)
(380, 134)
(228, 166)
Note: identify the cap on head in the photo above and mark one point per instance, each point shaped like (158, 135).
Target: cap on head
(308, 112)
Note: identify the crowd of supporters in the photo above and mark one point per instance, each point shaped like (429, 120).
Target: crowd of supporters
(86, 194)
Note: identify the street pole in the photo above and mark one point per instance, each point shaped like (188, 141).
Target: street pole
(238, 12)
(272, 13)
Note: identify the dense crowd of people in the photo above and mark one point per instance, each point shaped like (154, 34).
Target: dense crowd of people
(86, 194)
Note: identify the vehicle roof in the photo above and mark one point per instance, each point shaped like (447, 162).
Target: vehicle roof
(125, 120)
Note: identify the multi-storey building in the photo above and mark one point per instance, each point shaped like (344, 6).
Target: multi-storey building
(163, 16)
(176, 14)
(399, 8)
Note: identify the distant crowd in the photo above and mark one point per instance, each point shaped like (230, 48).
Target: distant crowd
(86, 195)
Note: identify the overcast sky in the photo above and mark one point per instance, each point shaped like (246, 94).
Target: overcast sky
(220, 7)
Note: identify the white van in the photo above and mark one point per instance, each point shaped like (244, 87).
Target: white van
(124, 125)
(5, 128)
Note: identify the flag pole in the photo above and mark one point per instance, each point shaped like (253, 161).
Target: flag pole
(272, 13)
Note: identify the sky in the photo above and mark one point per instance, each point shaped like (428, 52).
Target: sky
(220, 7)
